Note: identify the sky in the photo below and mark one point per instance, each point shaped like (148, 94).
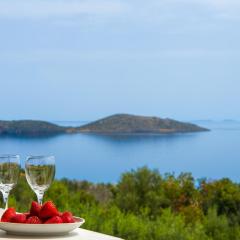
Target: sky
(86, 59)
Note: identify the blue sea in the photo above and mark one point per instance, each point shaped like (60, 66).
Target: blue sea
(103, 158)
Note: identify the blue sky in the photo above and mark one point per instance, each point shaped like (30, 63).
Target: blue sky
(85, 59)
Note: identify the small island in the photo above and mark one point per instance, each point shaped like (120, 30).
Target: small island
(132, 124)
(31, 128)
(115, 124)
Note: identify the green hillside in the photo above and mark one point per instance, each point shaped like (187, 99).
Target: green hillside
(125, 123)
(29, 128)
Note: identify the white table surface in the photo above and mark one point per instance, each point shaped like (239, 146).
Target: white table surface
(80, 234)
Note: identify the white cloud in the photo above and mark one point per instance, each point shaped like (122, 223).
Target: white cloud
(177, 7)
(57, 8)
(217, 5)
(221, 3)
(141, 12)
(139, 9)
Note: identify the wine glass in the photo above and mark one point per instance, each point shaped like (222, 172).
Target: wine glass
(9, 172)
(40, 172)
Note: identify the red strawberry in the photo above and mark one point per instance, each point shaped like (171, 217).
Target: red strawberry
(34, 220)
(18, 218)
(27, 214)
(69, 214)
(8, 214)
(59, 214)
(35, 208)
(48, 210)
(67, 217)
(54, 220)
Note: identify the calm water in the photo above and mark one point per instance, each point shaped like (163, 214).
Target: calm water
(95, 158)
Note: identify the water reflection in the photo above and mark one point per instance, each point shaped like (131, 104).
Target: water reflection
(146, 138)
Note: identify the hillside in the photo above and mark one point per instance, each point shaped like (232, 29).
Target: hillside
(29, 128)
(125, 123)
(115, 124)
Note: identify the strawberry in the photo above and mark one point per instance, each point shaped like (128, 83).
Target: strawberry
(48, 210)
(27, 214)
(33, 220)
(69, 214)
(67, 217)
(35, 208)
(59, 214)
(54, 220)
(18, 218)
(8, 214)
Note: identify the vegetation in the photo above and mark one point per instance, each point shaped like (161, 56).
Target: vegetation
(29, 128)
(145, 205)
(119, 123)
(125, 123)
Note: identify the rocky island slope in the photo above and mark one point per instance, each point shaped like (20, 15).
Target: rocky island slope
(30, 128)
(126, 123)
(115, 124)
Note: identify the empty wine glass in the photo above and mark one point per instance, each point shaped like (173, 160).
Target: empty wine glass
(9, 172)
(40, 172)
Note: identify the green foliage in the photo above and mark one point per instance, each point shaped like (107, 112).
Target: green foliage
(223, 194)
(141, 191)
(173, 227)
(147, 206)
(216, 226)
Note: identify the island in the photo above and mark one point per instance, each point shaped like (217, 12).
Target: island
(31, 128)
(115, 124)
(132, 124)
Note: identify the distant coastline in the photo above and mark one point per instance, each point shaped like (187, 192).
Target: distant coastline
(115, 124)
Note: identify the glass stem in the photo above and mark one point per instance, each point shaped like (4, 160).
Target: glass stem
(40, 197)
(5, 198)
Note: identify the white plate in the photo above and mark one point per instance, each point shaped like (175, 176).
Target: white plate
(41, 229)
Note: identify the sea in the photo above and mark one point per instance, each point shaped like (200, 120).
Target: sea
(104, 158)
